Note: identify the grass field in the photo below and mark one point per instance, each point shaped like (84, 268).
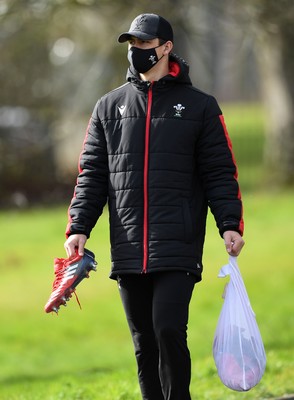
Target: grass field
(88, 355)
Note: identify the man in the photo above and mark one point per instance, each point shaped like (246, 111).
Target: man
(158, 151)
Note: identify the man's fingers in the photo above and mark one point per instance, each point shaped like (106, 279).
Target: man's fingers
(75, 242)
(233, 242)
(235, 247)
(229, 246)
(81, 248)
(70, 249)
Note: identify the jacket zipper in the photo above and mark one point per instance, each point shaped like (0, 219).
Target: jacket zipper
(145, 184)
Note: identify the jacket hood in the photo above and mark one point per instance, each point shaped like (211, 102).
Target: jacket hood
(179, 72)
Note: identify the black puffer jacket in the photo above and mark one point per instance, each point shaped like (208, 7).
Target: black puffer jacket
(160, 154)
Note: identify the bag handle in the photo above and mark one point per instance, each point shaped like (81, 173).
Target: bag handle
(236, 280)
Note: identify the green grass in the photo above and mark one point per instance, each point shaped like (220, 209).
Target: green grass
(88, 355)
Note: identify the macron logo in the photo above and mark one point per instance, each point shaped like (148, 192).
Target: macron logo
(121, 109)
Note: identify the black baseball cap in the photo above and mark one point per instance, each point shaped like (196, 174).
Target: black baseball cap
(148, 27)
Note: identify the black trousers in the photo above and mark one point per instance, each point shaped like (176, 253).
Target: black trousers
(156, 307)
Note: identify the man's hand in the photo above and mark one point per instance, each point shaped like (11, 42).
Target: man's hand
(76, 241)
(233, 242)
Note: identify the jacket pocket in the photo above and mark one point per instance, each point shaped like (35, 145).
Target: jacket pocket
(187, 218)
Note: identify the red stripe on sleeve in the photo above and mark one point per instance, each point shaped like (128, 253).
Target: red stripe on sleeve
(222, 120)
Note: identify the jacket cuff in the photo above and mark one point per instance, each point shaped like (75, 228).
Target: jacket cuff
(230, 226)
(73, 229)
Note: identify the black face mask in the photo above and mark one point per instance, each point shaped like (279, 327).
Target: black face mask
(143, 59)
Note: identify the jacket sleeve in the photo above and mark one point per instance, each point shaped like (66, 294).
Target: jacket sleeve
(91, 190)
(218, 171)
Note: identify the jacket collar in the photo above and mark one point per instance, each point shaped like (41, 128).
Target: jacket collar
(179, 73)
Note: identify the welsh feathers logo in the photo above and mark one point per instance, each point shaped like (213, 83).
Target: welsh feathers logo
(152, 59)
(179, 108)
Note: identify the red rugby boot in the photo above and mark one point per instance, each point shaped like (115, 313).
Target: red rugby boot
(69, 272)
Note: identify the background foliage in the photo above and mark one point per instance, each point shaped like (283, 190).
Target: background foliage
(59, 56)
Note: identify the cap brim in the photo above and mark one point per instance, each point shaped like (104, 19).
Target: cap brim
(124, 37)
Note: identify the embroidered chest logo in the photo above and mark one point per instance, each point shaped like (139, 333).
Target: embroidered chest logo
(122, 109)
(179, 108)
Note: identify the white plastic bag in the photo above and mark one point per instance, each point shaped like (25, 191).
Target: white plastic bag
(238, 349)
